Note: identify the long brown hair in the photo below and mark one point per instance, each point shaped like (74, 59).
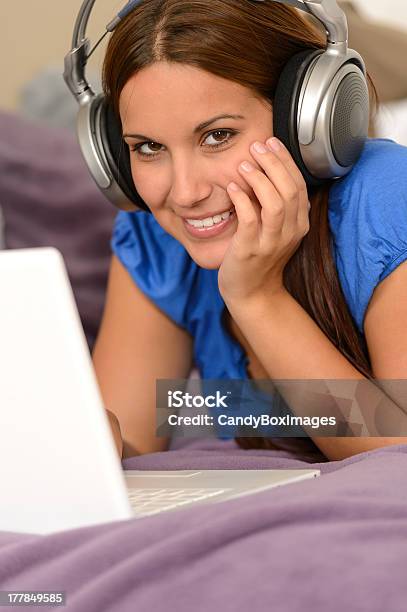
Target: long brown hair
(248, 43)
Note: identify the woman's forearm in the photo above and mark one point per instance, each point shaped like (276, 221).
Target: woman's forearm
(291, 346)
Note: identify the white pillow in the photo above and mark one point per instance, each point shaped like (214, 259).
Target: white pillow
(391, 121)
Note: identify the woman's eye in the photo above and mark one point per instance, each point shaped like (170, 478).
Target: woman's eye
(137, 149)
(142, 149)
(222, 140)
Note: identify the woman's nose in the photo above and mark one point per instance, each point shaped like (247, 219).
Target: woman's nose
(190, 185)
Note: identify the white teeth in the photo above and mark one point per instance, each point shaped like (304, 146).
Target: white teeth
(210, 221)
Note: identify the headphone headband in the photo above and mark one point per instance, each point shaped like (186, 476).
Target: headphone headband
(320, 106)
(326, 11)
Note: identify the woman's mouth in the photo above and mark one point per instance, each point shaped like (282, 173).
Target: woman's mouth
(212, 226)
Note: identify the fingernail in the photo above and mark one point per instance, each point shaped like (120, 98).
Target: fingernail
(274, 144)
(259, 147)
(247, 166)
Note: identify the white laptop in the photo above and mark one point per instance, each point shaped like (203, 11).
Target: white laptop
(59, 467)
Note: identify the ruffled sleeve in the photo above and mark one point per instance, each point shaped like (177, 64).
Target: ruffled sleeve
(158, 264)
(368, 220)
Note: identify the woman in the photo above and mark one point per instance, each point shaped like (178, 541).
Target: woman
(291, 284)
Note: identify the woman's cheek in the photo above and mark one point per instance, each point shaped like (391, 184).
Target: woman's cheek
(141, 184)
(150, 186)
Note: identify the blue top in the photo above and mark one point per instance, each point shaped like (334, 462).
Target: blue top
(368, 219)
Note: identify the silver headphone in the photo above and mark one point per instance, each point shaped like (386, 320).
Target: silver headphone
(320, 108)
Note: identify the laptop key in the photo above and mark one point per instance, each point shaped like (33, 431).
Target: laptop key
(152, 501)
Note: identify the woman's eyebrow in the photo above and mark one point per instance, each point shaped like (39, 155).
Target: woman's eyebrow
(198, 128)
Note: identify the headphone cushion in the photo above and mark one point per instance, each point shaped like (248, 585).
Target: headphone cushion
(285, 108)
(117, 154)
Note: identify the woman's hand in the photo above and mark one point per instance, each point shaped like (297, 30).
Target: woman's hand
(115, 427)
(270, 228)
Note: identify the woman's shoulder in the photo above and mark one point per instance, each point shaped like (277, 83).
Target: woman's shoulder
(140, 242)
(374, 194)
(187, 293)
(382, 152)
(159, 264)
(368, 221)
(382, 165)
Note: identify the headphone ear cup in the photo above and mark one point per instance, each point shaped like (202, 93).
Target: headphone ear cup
(285, 108)
(117, 154)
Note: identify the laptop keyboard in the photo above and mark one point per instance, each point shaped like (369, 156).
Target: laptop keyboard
(152, 501)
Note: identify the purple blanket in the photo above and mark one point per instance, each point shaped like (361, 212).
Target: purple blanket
(334, 543)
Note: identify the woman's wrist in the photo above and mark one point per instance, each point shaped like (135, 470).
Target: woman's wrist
(273, 293)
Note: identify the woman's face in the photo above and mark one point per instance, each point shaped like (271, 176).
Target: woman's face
(181, 168)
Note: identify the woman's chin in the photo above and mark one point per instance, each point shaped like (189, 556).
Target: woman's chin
(208, 256)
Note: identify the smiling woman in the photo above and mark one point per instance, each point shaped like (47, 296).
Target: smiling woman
(180, 167)
(290, 272)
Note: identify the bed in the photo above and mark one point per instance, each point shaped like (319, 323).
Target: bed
(334, 543)
(324, 545)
